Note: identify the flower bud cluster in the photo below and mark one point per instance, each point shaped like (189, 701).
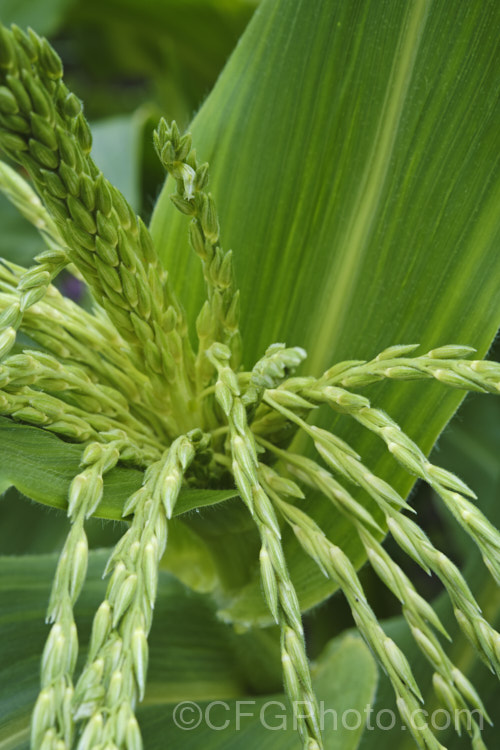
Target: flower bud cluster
(52, 720)
(296, 398)
(218, 319)
(277, 586)
(114, 677)
(42, 127)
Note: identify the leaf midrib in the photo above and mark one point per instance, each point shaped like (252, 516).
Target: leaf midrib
(343, 277)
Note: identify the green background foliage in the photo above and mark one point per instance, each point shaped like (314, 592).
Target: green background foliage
(354, 152)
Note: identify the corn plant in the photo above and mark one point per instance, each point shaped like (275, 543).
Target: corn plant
(173, 404)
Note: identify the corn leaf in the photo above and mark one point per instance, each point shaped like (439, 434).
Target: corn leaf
(354, 151)
(42, 466)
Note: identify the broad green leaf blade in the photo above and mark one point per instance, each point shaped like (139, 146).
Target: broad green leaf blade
(42, 467)
(367, 175)
(355, 163)
(193, 658)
